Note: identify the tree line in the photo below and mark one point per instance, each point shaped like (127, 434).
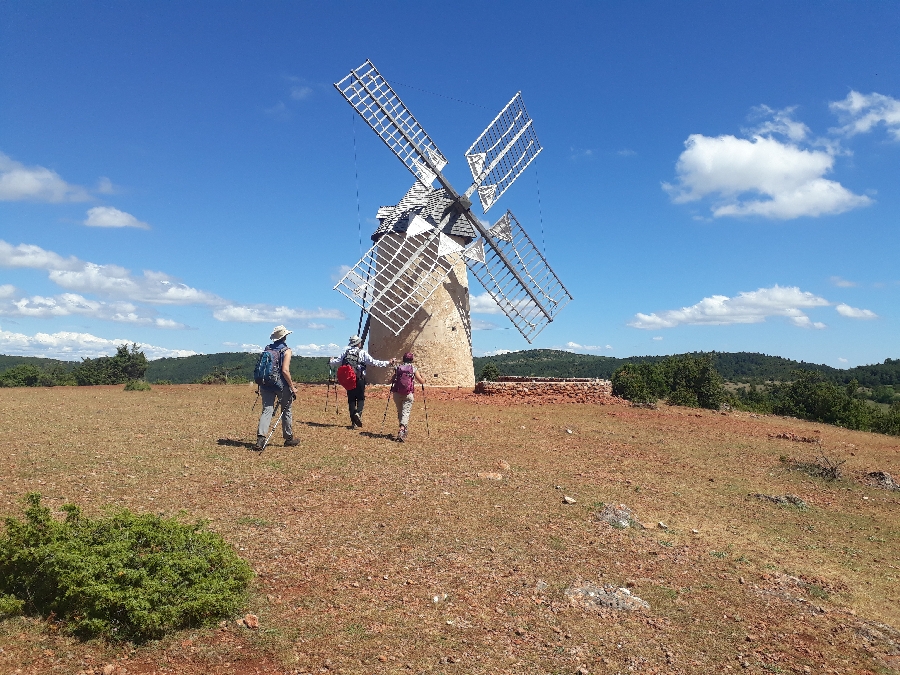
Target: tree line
(125, 366)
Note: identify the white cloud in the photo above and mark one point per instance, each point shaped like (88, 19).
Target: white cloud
(105, 187)
(68, 304)
(244, 346)
(74, 346)
(842, 359)
(340, 273)
(854, 313)
(658, 337)
(300, 92)
(843, 283)
(779, 122)
(483, 304)
(7, 290)
(270, 314)
(107, 216)
(734, 170)
(35, 183)
(860, 113)
(497, 352)
(330, 349)
(747, 307)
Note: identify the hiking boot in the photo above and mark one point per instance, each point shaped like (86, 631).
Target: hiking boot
(357, 420)
(401, 435)
(291, 442)
(260, 444)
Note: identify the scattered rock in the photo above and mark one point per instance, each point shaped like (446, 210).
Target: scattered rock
(109, 669)
(568, 500)
(695, 531)
(503, 465)
(569, 431)
(251, 621)
(619, 516)
(793, 500)
(490, 475)
(661, 525)
(788, 436)
(590, 597)
(541, 586)
(882, 480)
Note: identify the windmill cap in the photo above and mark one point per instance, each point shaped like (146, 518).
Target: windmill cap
(280, 332)
(355, 341)
(408, 357)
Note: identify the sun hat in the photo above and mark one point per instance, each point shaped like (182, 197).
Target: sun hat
(408, 357)
(279, 333)
(355, 341)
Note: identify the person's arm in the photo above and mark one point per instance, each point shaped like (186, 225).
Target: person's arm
(336, 360)
(286, 370)
(419, 378)
(367, 359)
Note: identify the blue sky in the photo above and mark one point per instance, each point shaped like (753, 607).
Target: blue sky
(715, 175)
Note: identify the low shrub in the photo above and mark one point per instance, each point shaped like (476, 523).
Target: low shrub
(137, 385)
(682, 380)
(490, 372)
(123, 576)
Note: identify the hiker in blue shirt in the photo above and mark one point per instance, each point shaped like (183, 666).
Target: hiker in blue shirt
(283, 389)
(357, 358)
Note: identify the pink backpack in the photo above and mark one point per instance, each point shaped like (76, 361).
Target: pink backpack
(404, 382)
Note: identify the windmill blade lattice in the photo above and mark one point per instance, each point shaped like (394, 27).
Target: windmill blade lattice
(529, 312)
(378, 104)
(502, 152)
(398, 274)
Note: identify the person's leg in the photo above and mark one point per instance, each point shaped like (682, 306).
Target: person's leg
(359, 401)
(287, 419)
(265, 419)
(398, 402)
(406, 410)
(351, 404)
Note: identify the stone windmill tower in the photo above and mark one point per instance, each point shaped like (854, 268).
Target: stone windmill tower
(413, 281)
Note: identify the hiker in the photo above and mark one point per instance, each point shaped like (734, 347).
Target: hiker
(277, 385)
(404, 385)
(357, 358)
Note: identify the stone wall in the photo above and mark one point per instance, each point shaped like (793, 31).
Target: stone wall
(545, 391)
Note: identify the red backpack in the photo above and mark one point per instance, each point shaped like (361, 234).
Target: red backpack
(404, 382)
(347, 373)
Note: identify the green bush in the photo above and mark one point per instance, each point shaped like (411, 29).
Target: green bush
(682, 380)
(125, 577)
(24, 375)
(124, 366)
(137, 385)
(490, 372)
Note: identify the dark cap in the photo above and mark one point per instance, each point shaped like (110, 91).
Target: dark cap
(408, 357)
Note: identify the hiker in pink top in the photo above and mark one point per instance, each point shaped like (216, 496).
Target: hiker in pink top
(404, 385)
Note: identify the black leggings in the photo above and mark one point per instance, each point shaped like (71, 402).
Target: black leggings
(356, 399)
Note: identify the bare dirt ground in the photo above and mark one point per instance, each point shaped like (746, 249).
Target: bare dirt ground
(456, 553)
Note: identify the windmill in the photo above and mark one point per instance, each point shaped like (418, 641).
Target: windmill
(413, 280)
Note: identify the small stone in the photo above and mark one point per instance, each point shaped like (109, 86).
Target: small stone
(661, 525)
(695, 531)
(490, 475)
(520, 630)
(503, 464)
(109, 669)
(569, 431)
(741, 580)
(251, 621)
(568, 500)
(582, 670)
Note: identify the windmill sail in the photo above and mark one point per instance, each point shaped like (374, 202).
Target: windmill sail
(502, 152)
(532, 308)
(398, 274)
(378, 104)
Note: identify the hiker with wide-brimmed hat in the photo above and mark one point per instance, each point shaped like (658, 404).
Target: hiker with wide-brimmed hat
(356, 358)
(274, 379)
(403, 386)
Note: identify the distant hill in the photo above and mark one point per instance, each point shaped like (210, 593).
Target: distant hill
(734, 367)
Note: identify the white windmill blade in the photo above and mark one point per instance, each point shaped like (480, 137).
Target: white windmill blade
(378, 104)
(398, 274)
(532, 308)
(502, 152)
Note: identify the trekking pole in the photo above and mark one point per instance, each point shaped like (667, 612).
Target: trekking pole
(388, 402)
(273, 430)
(327, 391)
(425, 401)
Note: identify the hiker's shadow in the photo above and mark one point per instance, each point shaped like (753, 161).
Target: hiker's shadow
(321, 425)
(370, 434)
(232, 443)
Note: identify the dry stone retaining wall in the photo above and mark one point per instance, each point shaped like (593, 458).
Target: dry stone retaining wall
(552, 391)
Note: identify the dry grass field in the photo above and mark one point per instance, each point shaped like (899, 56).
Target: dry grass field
(453, 553)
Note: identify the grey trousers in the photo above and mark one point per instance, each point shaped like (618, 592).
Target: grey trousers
(404, 407)
(268, 401)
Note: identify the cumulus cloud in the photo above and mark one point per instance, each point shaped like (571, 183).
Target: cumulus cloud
(747, 307)
(330, 349)
(497, 352)
(73, 346)
(779, 122)
(860, 113)
(483, 304)
(7, 290)
(105, 187)
(68, 304)
(107, 216)
(244, 346)
(35, 183)
(735, 172)
(479, 324)
(300, 92)
(271, 314)
(854, 313)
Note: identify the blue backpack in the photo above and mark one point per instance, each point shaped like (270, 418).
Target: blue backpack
(268, 368)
